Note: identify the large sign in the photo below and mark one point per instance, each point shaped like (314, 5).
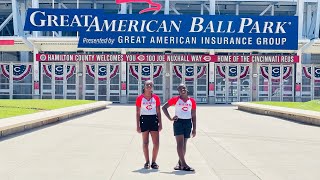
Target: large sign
(99, 30)
(166, 58)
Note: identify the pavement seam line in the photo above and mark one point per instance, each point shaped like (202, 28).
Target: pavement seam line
(122, 157)
(211, 168)
(231, 154)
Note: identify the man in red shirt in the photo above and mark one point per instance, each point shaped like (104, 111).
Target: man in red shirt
(185, 117)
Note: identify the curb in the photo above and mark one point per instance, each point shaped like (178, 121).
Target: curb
(30, 121)
(298, 115)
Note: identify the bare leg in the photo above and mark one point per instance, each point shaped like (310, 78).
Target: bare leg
(145, 146)
(184, 150)
(180, 149)
(155, 140)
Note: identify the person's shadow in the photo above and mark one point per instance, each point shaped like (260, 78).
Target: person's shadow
(179, 173)
(145, 171)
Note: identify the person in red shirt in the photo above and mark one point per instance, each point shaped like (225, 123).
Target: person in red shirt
(185, 117)
(148, 117)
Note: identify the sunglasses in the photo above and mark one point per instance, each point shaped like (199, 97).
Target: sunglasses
(149, 85)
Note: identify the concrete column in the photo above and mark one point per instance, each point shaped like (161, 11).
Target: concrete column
(36, 76)
(255, 81)
(123, 66)
(16, 17)
(81, 75)
(300, 14)
(123, 77)
(298, 79)
(167, 73)
(237, 9)
(212, 10)
(35, 4)
(123, 8)
(166, 7)
(211, 74)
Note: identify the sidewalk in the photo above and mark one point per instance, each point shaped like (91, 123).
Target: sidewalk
(104, 145)
(17, 124)
(299, 115)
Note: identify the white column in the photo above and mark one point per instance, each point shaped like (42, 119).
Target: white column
(16, 17)
(300, 14)
(35, 4)
(211, 76)
(212, 10)
(123, 8)
(36, 75)
(166, 7)
(237, 9)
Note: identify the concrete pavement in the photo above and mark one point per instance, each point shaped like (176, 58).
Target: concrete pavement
(230, 145)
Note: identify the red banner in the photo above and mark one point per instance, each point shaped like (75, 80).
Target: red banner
(6, 42)
(166, 58)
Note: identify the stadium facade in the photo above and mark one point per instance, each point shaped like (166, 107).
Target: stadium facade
(51, 65)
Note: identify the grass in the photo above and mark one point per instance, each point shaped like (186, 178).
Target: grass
(310, 105)
(10, 108)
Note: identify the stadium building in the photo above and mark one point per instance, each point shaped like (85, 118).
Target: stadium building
(51, 65)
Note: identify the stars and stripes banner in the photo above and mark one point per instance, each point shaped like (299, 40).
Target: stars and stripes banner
(103, 72)
(316, 73)
(233, 72)
(59, 71)
(145, 71)
(276, 72)
(189, 72)
(19, 71)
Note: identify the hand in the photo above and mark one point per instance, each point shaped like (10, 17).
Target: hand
(174, 118)
(138, 129)
(194, 133)
(160, 127)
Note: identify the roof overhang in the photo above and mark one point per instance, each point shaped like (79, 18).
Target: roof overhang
(313, 47)
(20, 44)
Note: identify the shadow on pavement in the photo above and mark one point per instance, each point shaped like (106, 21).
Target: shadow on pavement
(179, 173)
(145, 171)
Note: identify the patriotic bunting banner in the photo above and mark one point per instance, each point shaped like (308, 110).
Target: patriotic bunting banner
(233, 72)
(145, 71)
(19, 71)
(189, 72)
(103, 71)
(276, 72)
(316, 73)
(59, 71)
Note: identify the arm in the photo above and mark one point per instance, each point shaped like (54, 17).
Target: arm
(159, 117)
(194, 122)
(165, 111)
(138, 119)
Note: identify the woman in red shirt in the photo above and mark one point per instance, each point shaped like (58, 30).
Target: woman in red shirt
(185, 117)
(148, 117)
